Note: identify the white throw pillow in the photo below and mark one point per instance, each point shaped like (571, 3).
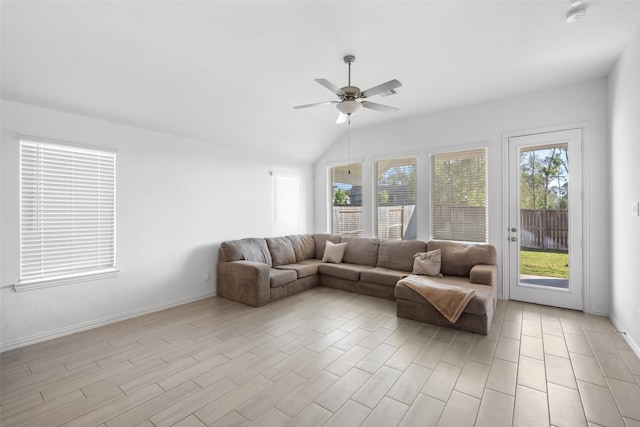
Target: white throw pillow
(334, 252)
(428, 263)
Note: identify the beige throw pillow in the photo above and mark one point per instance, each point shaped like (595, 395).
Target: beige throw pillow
(428, 263)
(334, 252)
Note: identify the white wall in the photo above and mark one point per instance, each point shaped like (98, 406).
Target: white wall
(485, 124)
(624, 90)
(177, 199)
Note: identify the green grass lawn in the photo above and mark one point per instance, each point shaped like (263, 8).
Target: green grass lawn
(544, 263)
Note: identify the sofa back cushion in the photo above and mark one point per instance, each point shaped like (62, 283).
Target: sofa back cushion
(458, 258)
(304, 246)
(398, 254)
(281, 251)
(251, 249)
(361, 250)
(321, 240)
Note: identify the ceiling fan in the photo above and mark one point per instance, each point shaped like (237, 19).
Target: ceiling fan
(352, 99)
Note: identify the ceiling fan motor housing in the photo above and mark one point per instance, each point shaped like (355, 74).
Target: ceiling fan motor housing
(351, 91)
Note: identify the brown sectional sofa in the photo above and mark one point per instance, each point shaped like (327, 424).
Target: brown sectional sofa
(256, 271)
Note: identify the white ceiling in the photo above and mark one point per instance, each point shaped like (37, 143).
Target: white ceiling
(230, 72)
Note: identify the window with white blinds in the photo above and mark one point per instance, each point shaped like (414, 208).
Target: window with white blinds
(345, 199)
(395, 198)
(285, 196)
(67, 212)
(459, 196)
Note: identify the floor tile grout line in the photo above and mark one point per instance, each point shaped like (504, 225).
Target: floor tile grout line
(369, 312)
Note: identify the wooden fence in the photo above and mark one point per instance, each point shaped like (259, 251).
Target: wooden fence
(347, 220)
(544, 229)
(540, 229)
(393, 221)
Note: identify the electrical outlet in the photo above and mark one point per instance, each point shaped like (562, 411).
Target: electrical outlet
(206, 276)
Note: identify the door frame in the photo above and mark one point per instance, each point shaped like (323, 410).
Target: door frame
(584, 128)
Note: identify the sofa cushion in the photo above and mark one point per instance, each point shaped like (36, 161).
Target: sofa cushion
(281, 277)
(303, 269)
(398, 254)
(479, 304)
(343, 271)
(428, 263)
(321, 240)
(382, 276)
(458, 258)
(304, 246)
(281, 251)
(361, 250)
(333, 252)
(250, 249)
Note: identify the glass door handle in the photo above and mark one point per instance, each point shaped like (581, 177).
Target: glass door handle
(513, 229)
(514, 239)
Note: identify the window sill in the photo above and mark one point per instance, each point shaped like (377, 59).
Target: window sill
(31, 285)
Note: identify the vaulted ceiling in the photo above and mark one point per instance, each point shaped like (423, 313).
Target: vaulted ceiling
(230, 71)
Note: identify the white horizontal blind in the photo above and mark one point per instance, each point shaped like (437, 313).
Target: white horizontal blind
(285, 195)
(67, 211)
(459, 196)
(395, 198)
(345, 199)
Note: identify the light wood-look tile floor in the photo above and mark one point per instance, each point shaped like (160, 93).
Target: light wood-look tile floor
(326, 357)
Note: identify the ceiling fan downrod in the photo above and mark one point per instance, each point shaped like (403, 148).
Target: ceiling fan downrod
(349, 59)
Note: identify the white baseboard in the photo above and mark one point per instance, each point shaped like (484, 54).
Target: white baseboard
(598, 313)
(634, 345)
(92, 324)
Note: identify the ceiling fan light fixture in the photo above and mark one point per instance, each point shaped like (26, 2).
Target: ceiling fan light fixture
(349, 107)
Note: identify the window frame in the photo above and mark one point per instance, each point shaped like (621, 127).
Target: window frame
(331, 194)
(451, 151)
(281, 177)
(402, 156)
(105, 158)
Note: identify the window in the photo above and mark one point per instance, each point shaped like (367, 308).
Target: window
(67, 212)
(459, 196)
(345, 195)
(395, 198)
(285, 194)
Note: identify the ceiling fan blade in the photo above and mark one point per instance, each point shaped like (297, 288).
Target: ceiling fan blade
(297, 107)
(379, 107)
(333, 88)
(341, 118)
(384, 88)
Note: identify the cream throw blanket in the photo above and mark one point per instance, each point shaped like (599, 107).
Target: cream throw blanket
(449, 300)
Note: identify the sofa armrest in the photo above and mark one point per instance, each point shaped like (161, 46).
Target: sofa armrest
(484, 274)
(244, 281)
